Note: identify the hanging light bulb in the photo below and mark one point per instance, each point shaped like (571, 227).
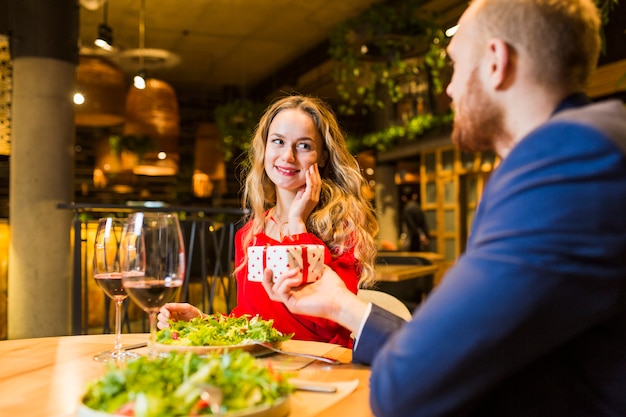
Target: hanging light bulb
(152, 110)
(139, 80)
(79, 98)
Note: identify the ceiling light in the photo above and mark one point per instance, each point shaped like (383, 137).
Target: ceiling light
(105, 33)
(451, 31)
(105, 37)
(142, 58)
(92, 4)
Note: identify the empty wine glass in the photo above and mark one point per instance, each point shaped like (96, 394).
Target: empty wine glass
(108, 276)
(152, 262)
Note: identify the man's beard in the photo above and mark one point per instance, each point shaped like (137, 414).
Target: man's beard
(478, 121)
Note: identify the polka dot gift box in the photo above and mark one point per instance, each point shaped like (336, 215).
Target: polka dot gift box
(308, 258)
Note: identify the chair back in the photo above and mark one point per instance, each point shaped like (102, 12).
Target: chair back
(385, 301)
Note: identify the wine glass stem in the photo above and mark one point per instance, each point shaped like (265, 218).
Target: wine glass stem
(118, 327)
(153, 331)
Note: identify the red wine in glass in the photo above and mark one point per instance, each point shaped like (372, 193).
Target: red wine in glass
(151, 294)
(108, 276)
(152, 262)
(111, 284)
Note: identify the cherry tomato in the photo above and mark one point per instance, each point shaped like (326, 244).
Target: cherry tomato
(127, 409)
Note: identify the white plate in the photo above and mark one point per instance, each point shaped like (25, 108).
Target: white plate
(280, 408)
(251, 348)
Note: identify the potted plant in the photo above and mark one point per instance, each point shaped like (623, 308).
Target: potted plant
(130, 149)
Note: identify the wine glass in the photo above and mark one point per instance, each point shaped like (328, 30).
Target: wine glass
(108, 276)
(152, 262)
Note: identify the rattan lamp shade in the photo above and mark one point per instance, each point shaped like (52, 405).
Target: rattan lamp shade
(153, 111)
(102, 83)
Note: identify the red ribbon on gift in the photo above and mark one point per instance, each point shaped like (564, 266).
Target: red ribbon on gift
(264, 262)
(305, 263)
(305, 266)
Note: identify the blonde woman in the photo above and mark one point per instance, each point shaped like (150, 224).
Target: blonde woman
(302, 187)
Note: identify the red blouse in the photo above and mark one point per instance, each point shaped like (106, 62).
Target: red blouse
(252, 298)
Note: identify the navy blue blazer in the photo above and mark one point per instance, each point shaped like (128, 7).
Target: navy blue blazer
(531, 320)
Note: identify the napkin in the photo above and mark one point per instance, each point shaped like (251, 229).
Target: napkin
(312, 403)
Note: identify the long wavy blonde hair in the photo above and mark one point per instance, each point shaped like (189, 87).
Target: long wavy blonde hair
(344, 218)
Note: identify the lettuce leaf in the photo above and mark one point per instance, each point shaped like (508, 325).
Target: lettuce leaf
(220, 330)
(171, 385)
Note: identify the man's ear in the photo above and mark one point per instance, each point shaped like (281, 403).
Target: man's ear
(500, 61)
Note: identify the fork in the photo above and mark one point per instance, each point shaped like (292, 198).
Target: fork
(302, 355)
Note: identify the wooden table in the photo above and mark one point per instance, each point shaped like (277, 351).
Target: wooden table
(394, 273)
(435, 258)
(411, 283)
(47, 376)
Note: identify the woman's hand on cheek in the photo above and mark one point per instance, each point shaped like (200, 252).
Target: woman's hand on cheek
(306, 199)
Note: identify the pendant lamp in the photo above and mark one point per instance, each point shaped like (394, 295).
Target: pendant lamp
(102, 84)
(153, 111)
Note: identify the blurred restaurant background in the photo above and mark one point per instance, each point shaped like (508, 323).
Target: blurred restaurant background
(114, 104)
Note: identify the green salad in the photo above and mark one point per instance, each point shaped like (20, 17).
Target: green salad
(220, 330)
(172, 385)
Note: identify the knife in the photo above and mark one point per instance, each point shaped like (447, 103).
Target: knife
(313, 387)
(135, 346)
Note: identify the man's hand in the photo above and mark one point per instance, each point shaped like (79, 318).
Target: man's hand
(327, 298)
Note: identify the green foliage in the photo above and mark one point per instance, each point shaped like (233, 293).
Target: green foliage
(606, 6)
(416, 127)
(236, 122)
(373, 50)
(139, 144)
